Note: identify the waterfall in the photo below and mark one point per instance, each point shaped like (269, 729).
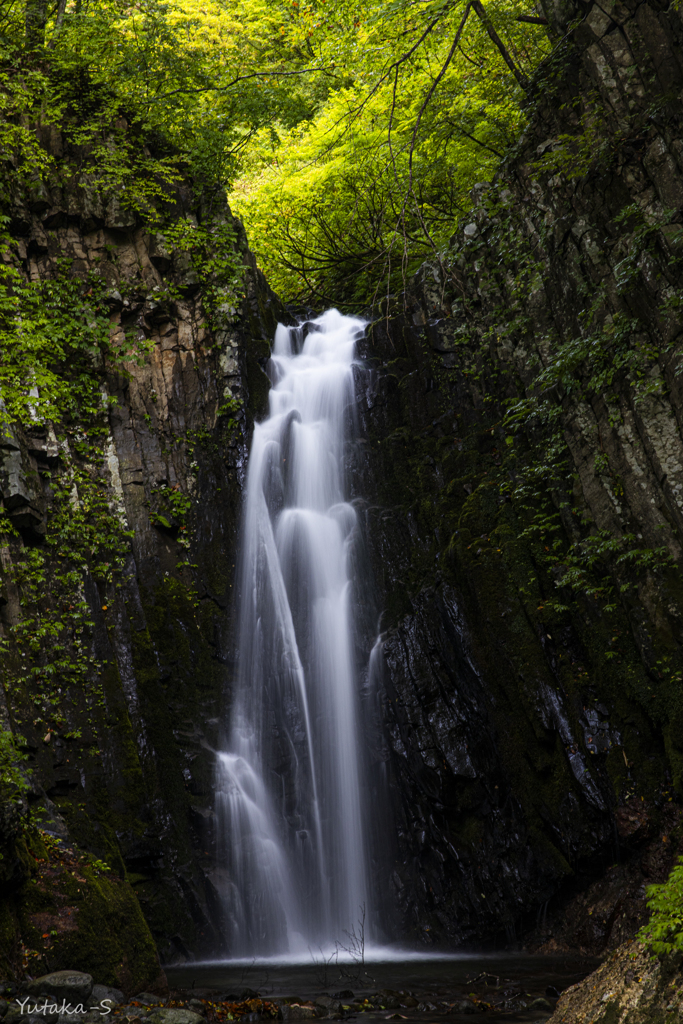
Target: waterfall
(292, 783)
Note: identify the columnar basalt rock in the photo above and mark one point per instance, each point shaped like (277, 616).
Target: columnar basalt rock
(523, 415)
(129, 778)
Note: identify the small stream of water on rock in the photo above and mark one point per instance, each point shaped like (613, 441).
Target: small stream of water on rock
(291, 785)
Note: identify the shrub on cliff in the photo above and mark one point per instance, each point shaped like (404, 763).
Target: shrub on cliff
(664, 931)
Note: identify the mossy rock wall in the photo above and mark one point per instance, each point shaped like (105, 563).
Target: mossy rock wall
(522, 465)
(72, 909)
(129, 766)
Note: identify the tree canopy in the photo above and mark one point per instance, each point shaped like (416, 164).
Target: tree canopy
(348, 136)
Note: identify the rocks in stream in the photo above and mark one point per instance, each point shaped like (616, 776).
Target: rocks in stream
(483, 994)
(175, 1016)
(73, 986)
(463, 1006)
(103, 992)
(297, 1011)
(329, 1004)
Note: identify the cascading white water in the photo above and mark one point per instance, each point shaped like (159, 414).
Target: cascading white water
(291, 785)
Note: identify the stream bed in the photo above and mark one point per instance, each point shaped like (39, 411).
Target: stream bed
(411, 987)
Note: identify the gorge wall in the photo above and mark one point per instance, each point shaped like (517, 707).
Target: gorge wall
(522, 403)
(127, 773)
(521, 486)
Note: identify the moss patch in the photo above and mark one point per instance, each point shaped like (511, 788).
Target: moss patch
(72, 913)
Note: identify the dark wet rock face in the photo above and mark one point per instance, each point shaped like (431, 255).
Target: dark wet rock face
(129, 776)
(532, 715)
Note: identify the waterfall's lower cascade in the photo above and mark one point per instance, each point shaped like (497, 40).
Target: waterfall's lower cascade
(291, 786)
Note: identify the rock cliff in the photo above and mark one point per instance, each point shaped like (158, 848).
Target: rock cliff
(522, 408)
(120, 754)
(631, 987)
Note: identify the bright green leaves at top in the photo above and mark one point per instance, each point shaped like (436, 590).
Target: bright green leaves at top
(179, 85)
(352, 135)
(187, 71)
(348, 202)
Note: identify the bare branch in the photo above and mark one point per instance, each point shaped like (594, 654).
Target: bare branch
(397, 63)
(458, 128)
(497, 41)
(238, 78)
(434, 84)
(61, 8)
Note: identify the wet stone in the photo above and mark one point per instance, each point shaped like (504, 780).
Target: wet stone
(100, 992)
(541, 1004)
(149, 999)
(464, 1007)
(175, 1017)
(329, 1004)
(294, 1011)
(73, 986)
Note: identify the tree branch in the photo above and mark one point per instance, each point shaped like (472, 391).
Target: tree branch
(239, 78)
(497, 41)
(61, 8)
(434, 84)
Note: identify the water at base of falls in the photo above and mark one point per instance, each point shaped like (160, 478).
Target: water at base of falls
(291, 785)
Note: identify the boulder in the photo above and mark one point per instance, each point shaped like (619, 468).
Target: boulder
(541, 1004)
(329, 1004)
(73, 986)
(294, 1011)
(464, 1006)
(630, 986)
(163, 1016)
(100, 992)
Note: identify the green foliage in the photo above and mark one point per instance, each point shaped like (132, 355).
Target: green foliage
(355, 197)
(170, 510)
(213, 254)
(12, 779)
(54, 670)
(228, 411)
(153, 90)
(352, 138)
(611, 353)
(664, 931)
(55, 335)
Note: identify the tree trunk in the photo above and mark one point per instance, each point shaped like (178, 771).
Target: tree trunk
(36, 16)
